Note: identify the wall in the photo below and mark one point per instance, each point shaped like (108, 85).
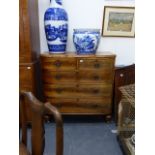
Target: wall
(89, 14)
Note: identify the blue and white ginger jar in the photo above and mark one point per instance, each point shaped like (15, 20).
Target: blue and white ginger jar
(56, 27)
(86, 40)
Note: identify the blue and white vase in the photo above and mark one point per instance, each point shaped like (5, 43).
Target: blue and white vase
(56, 27)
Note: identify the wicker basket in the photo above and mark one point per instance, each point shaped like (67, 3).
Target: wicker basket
(126, 119)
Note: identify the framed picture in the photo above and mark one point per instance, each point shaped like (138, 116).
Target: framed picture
(119, 0)
(118, 22)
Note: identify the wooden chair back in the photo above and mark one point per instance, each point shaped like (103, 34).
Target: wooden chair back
(39, 110)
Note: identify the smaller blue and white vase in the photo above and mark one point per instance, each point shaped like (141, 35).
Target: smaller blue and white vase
(56, 27)
(86, 40)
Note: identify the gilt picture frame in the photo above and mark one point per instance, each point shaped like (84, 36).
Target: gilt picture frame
(118, 21)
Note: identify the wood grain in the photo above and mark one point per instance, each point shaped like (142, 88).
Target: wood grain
(29, 48)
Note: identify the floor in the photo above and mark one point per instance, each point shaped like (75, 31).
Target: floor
(84, 138)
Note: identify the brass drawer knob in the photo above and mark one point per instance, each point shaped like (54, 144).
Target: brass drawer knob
(59, 90)
(97, 65)
(28, 67)
(57, 63)
(121, 75)
(95, 91)
(94, 106)
(96, 77)
(58, 76)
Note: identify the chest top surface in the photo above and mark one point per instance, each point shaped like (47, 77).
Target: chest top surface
(73, 54)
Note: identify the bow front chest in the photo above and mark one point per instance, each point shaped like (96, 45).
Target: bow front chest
(79, 84)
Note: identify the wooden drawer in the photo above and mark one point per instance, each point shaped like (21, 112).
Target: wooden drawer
(69, 105)
(95, 76)
(84, 110)
(58, 77)
(94, 90)
(77, 91)
(60, 90)
(55, 64)
(85, 102)
(97, 64)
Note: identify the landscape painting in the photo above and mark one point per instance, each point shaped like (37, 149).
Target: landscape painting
(118, 21)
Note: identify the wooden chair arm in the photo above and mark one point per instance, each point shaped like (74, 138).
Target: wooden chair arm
(43, 108)
(59, 127)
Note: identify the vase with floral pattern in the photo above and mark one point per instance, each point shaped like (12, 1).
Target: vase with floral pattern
(86, 41)
(56, 27)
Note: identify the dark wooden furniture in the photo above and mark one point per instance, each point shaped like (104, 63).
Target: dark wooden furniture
(126, 119)
(29, 47)
(39, 109)
(79, 84)
(123, 76)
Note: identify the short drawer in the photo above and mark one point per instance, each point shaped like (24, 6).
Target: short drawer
(54, 64)
(95, 76)
(58, 77)
(60, 90)
(97, 64)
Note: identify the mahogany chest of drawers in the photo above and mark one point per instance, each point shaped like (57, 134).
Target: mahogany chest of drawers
(79, 84)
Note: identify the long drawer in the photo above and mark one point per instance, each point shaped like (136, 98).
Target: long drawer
(81, 77)
(68, 105)
(76, 90)
(83, 110)
(104, 102)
